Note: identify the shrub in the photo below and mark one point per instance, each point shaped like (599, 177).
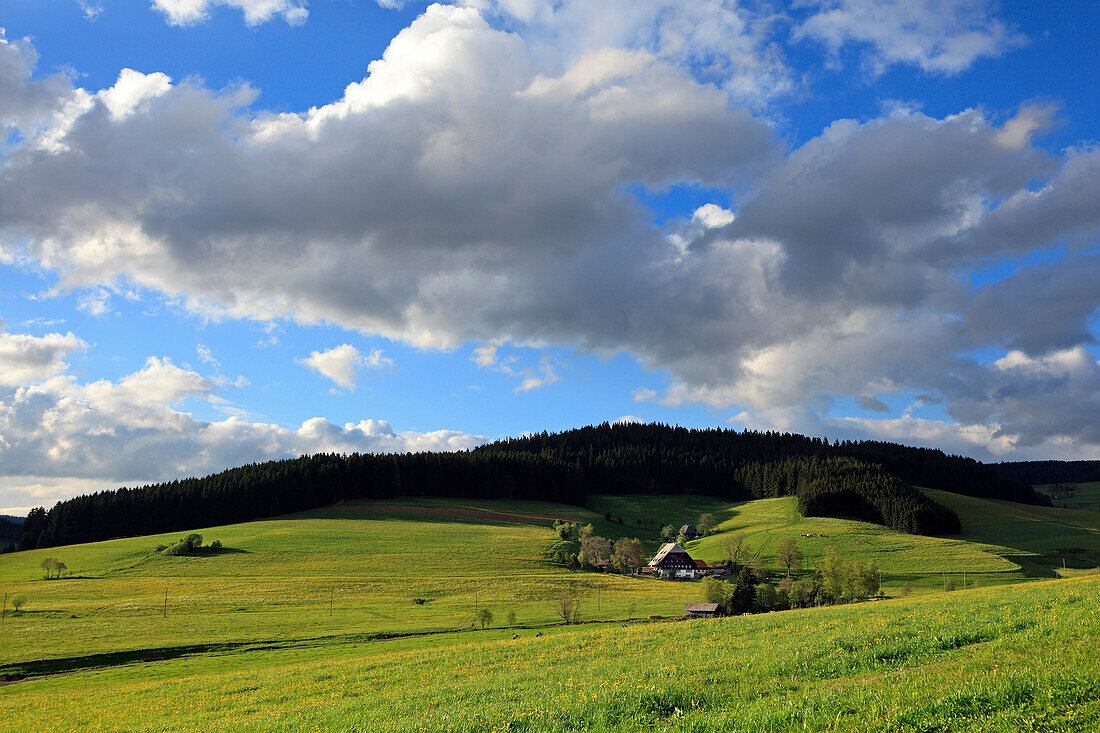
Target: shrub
(190, 545)
(18, 602)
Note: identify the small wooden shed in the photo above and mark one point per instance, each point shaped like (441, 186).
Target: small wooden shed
(701, 610)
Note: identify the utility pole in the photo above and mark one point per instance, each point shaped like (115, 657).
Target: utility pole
(330, 592)
(475, 600)
(165, 612)
(945, 580)
(4, 613)
(964, 579)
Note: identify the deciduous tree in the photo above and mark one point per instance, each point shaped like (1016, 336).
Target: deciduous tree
(594, 549)
(734, 547)
(627, 554)
(484, 617)
(789, 556)
(706, 524)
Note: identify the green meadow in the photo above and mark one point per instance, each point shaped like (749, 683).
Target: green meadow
(1086, 495)
(1042, 540)
(1008, 658)
(316, 577)
(362, 617)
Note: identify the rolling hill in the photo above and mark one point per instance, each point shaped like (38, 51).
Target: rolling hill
(361, 615)
(867, 480)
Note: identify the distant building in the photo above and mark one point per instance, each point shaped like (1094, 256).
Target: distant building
(689, 531)
(673, 561)
(701, 610)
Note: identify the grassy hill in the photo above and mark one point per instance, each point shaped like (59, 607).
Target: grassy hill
(1086, 495)
(1039, 539)
(916, 560)
(275, 582)
(972, 660)
(310, 621)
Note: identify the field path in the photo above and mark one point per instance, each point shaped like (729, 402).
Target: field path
(457, 512)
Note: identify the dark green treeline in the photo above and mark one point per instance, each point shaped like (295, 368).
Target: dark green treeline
(868, 480)
(1050, 472)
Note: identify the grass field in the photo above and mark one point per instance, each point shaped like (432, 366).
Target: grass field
(994, 659)
(276, 583)
(904, 559)
(1039, 539)
(1086, 496)
(309, 622)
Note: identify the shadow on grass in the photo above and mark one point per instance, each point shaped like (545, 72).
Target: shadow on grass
(18, 671)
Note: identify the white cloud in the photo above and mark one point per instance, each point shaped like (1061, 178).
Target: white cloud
(485, 355)
(533, 379)
(190, 12)
(206, 355)
(25, 359)
(941, 36)
(729, 43)
(95, 302)
(469, 190)
(342, 363)
(132, 91)
(90, 9)
(125, 432)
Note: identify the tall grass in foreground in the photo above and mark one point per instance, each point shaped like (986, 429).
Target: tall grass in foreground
(995, 659)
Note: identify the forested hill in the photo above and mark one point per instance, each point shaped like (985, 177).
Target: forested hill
(651, 458)
(1050, 472)
(868, 480)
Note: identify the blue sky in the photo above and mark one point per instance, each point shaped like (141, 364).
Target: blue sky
(235, 230)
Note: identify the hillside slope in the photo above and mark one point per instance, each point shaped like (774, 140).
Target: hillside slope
(869, 480)
(976, 660)
(1041, 539)
(276, 579)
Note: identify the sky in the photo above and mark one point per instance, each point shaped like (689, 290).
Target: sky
(241, 230)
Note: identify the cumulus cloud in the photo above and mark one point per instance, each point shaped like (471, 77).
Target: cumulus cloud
(342, 363)
(468, 190)
(940, 36)
(26, 103)
(190, 12)
(129, 432)
(25, 359)
(729, 43)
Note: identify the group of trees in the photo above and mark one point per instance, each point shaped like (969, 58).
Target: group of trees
(53, 567)
(833, 581)
(705, 525)
(579, 546)
(10, 532)
(190, 545)
(869, 480)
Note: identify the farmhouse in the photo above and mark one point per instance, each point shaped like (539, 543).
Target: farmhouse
(689, 531)
(673, 561)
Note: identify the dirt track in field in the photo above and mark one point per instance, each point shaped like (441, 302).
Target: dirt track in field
(455, 512)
